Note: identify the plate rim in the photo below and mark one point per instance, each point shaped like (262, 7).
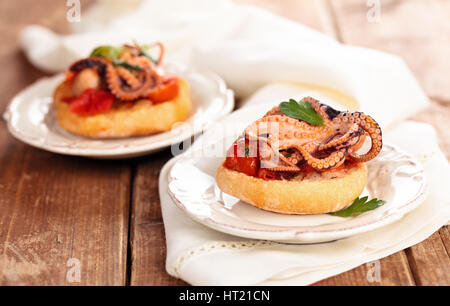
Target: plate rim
(307, 236)
(120, 152)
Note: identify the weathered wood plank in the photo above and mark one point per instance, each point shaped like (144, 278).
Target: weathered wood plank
(429, 262)
(417, 30)
(145, 189)
(437, 115)
(147, 238)
(390, 271)
(54, 208)
(149, 257)
(444, 232)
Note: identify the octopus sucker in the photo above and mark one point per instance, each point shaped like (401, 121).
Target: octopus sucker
(374, 132)
(128, 77)
(132, 88)
(323, 147)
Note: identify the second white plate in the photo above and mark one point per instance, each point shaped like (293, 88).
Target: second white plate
(31, 119)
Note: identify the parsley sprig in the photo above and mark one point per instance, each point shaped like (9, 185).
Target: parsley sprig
(359, 206)
(301, 110)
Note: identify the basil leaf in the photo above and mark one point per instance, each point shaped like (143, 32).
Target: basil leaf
(107, 51)
(301, 110)
(358, 206)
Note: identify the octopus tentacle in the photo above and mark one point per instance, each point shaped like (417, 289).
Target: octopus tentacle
(161, 51)
(334, 160)
(287, 128)
(271, 157)
(326, 112)
(148, 83)
(97, 63)
(140, 61)
(294, 158)
(131, 75)
(369, 125)
(285, 168)
(128, 77)
(353, 132)
(138, 50)
(289, 164)
(322, 147)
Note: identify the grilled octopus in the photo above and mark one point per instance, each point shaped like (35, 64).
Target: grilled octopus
(140, 80)
(285, 143)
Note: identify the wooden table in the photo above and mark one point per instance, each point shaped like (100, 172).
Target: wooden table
(106, 214)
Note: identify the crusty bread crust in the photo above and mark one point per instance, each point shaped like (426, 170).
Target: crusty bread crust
(308, 196)
(128, 119)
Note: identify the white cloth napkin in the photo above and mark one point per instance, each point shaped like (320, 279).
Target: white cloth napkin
(250, 48)
(202, 256)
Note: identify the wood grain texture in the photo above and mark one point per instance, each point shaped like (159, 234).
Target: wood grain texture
(393, 270)
(416, 30)
(429, 262)
(148, 266)
(444, 232)
(54, 207)
(438, 115)
(147, 238)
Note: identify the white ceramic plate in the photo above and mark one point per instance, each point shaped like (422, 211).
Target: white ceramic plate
(394, 176)
(31, 119)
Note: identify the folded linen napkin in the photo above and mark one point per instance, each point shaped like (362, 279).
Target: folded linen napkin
(250, 48)
(194, 251)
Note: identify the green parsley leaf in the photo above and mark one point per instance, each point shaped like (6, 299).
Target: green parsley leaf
(301, 110)
(358, 206)
(107, 51)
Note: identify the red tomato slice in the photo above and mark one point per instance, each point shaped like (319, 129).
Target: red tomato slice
(92, 102)
(168, 91)
(242, 157)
